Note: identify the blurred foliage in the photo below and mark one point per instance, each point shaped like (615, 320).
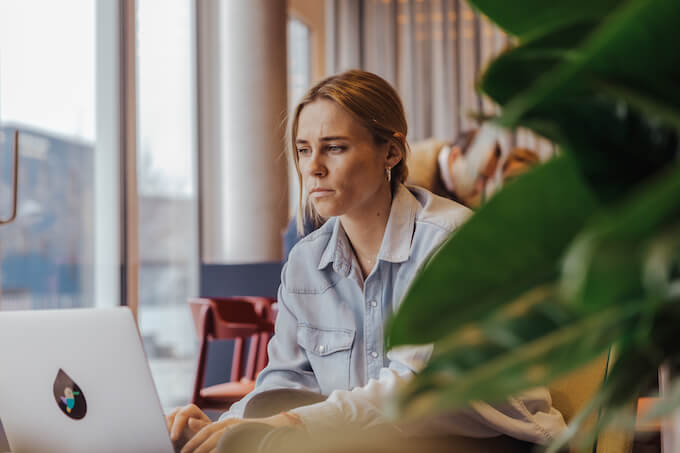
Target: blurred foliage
(583, 252)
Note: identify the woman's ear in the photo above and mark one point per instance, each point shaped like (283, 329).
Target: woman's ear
(394, 155)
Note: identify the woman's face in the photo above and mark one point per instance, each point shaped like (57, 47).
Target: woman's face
(343, 170)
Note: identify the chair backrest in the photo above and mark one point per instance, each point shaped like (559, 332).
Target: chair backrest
(249, 321)
(571, 393)
(236, 319)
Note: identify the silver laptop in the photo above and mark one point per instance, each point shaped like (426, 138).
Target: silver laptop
(77, 381)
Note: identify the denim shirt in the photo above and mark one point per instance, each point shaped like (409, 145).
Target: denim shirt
(330, 326)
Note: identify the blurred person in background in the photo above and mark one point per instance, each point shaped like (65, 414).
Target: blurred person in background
(468, 168)
(519, 161)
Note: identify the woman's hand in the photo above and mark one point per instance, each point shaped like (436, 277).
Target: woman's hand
(205, 441)
(180, 419)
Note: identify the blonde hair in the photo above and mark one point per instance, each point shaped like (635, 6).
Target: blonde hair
(374, 104)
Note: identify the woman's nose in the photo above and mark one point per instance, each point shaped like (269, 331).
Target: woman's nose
(316, 165)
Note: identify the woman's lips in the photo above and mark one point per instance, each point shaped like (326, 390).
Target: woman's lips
(319, 193)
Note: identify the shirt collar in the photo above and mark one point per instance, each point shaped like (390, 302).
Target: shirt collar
(396, 243)
(338, 250)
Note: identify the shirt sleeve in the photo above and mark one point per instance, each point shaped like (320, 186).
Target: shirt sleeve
(528, 417)
(288, 365)
(367, 406)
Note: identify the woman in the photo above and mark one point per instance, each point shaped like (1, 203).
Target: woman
(341, 282)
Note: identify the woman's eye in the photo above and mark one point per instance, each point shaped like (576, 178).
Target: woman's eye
(336, 148)
(303, 150)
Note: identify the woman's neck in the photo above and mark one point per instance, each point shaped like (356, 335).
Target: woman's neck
(365, 230)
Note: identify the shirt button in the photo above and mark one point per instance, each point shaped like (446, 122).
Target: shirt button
(374, 355)
(373, 303)
(322, 348)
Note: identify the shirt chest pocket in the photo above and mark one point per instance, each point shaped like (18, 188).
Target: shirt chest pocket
(329, 352)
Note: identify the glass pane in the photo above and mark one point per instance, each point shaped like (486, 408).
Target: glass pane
(168, 214)
(299, 68)
(299, 80)
(48, 255)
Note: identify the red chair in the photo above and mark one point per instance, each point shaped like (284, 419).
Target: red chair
(239, 319)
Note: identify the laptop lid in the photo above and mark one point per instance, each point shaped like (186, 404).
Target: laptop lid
(75, 381)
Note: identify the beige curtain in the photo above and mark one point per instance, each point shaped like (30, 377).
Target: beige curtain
(432, 51)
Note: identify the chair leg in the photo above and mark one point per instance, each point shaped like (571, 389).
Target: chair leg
(200, 373)
(262, 358)
(236, 361)
(251, 363)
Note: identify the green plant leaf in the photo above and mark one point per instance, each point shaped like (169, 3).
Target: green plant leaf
(660, 99)
(625, 46)
(599, 79)
(510, 245)
(661, 263)
(446, 383)
(615, 145)
(517, 69)
(529, 19)
(617, 286)
(606, 263)
(518, 322)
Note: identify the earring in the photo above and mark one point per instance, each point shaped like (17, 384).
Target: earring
(388, 172)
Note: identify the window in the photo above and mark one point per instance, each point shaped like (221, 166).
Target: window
(299, 68)
(58, 252)
(299, 80)
(168, 225)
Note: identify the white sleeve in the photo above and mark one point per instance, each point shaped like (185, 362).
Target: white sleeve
(362, 406)
(529, 416)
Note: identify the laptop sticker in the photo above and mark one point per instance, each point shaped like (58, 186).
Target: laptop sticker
(69, 396)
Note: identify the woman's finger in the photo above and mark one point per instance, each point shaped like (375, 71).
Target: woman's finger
(169, 420)
(198, 439)
(203, 416)
(211, 443)
(178, 426)
(197, 425)
(194, 411)
(181, 419)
